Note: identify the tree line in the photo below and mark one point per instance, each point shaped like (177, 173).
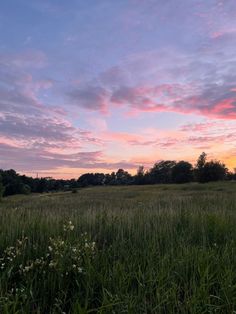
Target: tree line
(165, 171)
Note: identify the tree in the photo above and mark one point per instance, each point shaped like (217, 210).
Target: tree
(12, 182)
(161, 172)
(199, 169)
(28, 181)
(99, 179)
(88, 179)
(139, 178)
(123, 177)
(85, 180)
(42, 185)
(212, 170)
(182, 172)
(201, 160)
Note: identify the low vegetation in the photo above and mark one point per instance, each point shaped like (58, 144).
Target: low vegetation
(124, 249)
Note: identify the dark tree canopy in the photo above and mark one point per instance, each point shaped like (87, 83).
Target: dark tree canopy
(207, 171)
(162, 172)
(165, 171)
(89, 179)
(214, 171)
(140, 177)
(182, 172)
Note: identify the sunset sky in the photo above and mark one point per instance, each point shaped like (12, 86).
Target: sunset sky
(97, 85)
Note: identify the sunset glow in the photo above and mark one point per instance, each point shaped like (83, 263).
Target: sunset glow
(93, 86)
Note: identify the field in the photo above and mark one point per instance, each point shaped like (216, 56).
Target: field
(137, 249)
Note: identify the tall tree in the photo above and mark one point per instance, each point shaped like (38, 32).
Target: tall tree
(199, 169)
(214, 171)
(139, 178)
(161, 172)
(207, 171)
(123, 177)
(182, 172)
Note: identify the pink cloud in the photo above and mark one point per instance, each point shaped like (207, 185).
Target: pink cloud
(210, 100)
(226, 107)
(163, 81)
(167, 98)
(193, 127)
(212, 135)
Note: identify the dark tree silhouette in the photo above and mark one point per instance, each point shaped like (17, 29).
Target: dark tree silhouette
(123, 177)
(199, 169)
(209, 171)
(140, 177)
(182, 172)
(162, 172)
(89, 179)
(214, 171)
(165, 171)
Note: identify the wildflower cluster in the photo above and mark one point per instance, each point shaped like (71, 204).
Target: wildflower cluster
(63, 256)
(11, 253)
(66, 257)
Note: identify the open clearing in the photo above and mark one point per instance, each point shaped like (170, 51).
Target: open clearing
(134, 249)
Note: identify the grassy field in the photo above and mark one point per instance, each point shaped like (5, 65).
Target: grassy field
(139, 249)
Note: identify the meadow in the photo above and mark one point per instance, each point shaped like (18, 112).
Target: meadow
(129, 249)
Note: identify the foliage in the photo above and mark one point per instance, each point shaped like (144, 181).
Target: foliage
(148, 249)
(182, 172)
(163, 172)
(140, 177)
(88, 179)
(209, 171)
(123, 177)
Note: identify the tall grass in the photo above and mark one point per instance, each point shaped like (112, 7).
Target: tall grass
(151, 249)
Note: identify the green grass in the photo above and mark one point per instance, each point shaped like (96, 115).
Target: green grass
(158, 249)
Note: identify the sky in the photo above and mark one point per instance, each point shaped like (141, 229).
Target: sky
(97, 85)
